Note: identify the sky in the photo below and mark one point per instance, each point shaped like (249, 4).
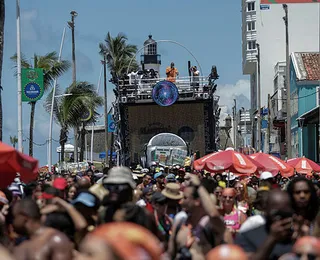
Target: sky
(210, 29)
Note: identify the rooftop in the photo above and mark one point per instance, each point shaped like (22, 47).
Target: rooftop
(306, 65)
(312, 65)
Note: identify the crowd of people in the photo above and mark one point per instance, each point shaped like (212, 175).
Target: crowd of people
(160, 213)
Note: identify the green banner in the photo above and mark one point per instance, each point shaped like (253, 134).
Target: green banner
(32, 84)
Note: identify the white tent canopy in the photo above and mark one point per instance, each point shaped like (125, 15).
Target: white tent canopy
(68, 148)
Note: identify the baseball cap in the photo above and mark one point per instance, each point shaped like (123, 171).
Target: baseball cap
(158, 174)
(86, 199)
(60, 183)
(266, 175)
(171, 177)
(120, 175)
(49, 193)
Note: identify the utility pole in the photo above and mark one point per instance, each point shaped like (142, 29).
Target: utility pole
(288, 125)
(258, 101)
(269, 124)
(20, 144)
(105, 107)
(74, 76)
(235, 128)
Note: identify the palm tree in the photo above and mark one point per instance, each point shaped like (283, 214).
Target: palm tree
(118, 54)
(68, 110)
(2, 18)
(13, 141)
(53, 68)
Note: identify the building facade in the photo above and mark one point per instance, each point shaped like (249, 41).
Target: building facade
(264, 25)
(304, 85)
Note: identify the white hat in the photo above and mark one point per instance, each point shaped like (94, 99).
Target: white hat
(266, 175)
(230, 176)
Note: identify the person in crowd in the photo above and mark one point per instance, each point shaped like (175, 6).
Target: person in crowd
(70, 181)
(227, 252)
(171, 178)
(267, 180)
(44, 243)
(160, 184)
(258, 213)
(307, 247)
(120, 186)
(195, 73)
(172, 73)
(173, 196)
(232, 215)
(218, 193)
(146, 197)
(304, 201)
(116, 241)
(146, 181)
(61, 185)
(163, 221)
(196, 232)
(71, 192)
(274, 238)
(242, 197)
(84, 183)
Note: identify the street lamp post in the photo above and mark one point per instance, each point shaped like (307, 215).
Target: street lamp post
(74, 75)
(258, 100)
(105, 107)
(20, 140)
(92, 131)
(235, 124)
(288, 134)
(52, 106)
(245, 126)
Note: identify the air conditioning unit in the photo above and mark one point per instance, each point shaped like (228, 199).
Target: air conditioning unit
(205, 95)
(123, 99)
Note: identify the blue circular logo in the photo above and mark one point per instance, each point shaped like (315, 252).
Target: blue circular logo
(112, 126)
(165, 93)
(32, 90)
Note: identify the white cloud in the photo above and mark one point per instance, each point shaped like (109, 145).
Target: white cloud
(239, 91)
(228, 92)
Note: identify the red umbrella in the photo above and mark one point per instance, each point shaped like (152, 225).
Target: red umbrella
(304, 165)
(12, 161)
(273, 164)
(260, 167)
(228, 160)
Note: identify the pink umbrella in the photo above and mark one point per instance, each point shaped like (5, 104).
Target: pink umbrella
(228, 160)
(304, 165)
(273, 164)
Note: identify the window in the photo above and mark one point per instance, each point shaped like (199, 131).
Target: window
(251, 6)
(252, 45)
(251, 26)
(152, 49)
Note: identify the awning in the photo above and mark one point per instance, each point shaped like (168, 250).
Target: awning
(311, 117)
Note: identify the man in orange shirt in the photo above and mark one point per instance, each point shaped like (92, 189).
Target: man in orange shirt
(172, 73)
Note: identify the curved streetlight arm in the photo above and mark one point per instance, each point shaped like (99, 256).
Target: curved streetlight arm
(52, 105)
(170, 41)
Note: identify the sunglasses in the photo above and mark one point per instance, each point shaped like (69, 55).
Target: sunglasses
(228, 197)
(309, 256)
(116, 187)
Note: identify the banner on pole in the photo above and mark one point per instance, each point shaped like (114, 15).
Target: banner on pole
(289, 1)
(111, 124)
(32, 84)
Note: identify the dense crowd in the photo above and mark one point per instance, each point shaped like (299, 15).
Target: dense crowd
(160, 213)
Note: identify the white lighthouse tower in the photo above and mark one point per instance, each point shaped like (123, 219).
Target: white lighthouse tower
(151, 59)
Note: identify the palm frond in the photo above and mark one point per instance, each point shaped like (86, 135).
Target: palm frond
(118, 53)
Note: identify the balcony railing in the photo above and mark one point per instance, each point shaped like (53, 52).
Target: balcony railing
(140, 90)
